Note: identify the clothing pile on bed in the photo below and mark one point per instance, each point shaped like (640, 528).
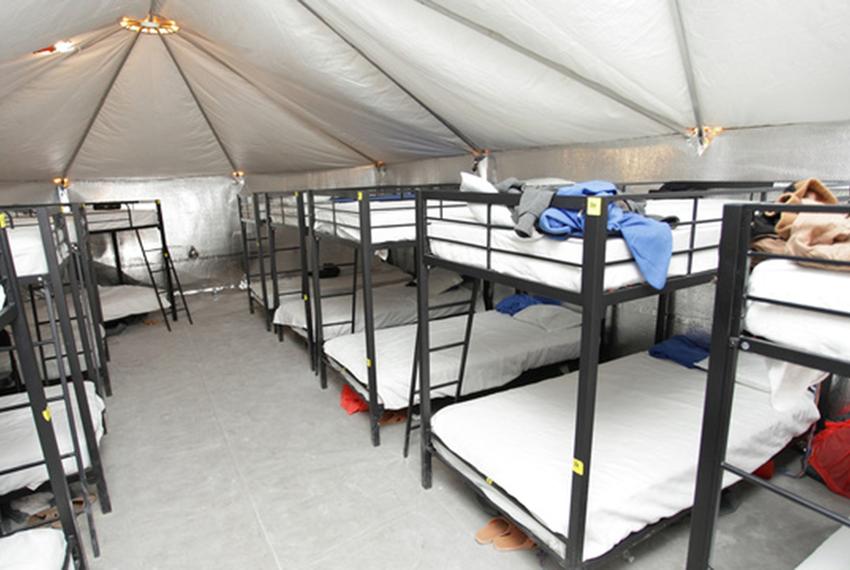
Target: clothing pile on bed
(649, 240)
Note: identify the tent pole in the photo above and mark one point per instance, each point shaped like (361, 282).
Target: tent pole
(563, 70)
(687, 64)
(198, 103)
(304, 121)
(100, 104)
(455, 131)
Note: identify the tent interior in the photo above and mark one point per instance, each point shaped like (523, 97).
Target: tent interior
(221, 449)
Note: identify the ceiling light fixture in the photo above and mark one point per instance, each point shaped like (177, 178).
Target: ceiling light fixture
(62, 46)
(150, 25)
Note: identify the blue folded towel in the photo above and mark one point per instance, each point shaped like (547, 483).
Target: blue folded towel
(513, 304)
(681, 349)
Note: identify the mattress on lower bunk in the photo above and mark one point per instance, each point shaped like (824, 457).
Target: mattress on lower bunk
(28, 249)
(382, 274)
(20, 444)
(394, 305)
(119, 301)
(831, 555)
(34, 549)
(550, 269)
(645, 454)
(502, 348)
(784, 280)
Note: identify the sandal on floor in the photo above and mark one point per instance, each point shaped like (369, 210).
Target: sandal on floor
(51, 514)
(514, 539)
(495, 528)
(391, 417)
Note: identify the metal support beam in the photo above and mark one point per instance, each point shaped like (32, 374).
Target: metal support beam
(198, 103)
(563, 70)
(185, 35)
(687, 64)
(100, 104)
(445, 122)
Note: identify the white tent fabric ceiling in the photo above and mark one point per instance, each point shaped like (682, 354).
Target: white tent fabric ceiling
(295, 85)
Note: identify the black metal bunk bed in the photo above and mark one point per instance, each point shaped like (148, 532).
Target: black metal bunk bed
(326, 220)
(594, 301)
(254, 233)
(729, 337)
(113, 218)
(56, 242)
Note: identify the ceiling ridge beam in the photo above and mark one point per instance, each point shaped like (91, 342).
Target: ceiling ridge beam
(63, 57)
(445, 122)
(560, 68)
(687, 64)
(198, 103)
(99, 107)
(310, 124)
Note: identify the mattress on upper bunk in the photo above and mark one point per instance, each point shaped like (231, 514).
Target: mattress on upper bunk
(787, 281)
(382, 274)
(502, 348)
(20, 444)
(343, 219)
(515, 255)
(645, 454)
(28, 248)
(394, 305)
(119, 219)
(119, 301)
(34, 549)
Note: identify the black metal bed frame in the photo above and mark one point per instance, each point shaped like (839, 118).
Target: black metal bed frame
(728, 338)
(594, 302)
(173, 288)
(52, 224)
(252, 216)
(364, 250)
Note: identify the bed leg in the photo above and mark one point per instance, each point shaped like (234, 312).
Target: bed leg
(374, 417)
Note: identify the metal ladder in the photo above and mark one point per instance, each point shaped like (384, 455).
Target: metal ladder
(458, 383)
(172, 281)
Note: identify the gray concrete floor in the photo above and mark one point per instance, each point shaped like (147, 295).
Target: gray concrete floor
(223, 452)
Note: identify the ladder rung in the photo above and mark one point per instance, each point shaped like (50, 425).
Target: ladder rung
(415, 426)
(446, 346)
(443, 385)
(348, 322)
(333, 295)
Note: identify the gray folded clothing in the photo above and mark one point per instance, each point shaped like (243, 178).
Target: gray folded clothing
(533, 201)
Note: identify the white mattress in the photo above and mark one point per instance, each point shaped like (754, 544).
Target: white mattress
(501, 349)
(28, 249)
(19, 440)
(832, 554)
(571, 250)
(646, 443)
(382, 274)
(120, 219)
(121, 301)
(383, 213)
(787, 281)
(35, 549)
(394, 305)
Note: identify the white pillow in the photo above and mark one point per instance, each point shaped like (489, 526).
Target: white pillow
(500, 215)
(550, 318)
(441, 280)
(548, 181)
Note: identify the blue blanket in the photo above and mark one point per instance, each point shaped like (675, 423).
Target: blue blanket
(649, 241)
(681, 349)
(513, 304)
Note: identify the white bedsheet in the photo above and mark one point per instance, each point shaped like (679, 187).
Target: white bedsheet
(501, 349)
(382, 213)
(832, 554)
(28, 249)
(646, 443)
(787, 281)
(571, 250)
(120, 219)
(19, 440)
(119, 301)
(394, 305)
(382, 274)
(34, 549)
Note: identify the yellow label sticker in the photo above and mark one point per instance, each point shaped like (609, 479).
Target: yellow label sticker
(157, 202)
(594, 206)
(296, 194)
(2, 220)
(306, 297)
(164, 254)
(46, 414)
(368, 363)
(488, 481)
(578, 466)
(360, 196)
